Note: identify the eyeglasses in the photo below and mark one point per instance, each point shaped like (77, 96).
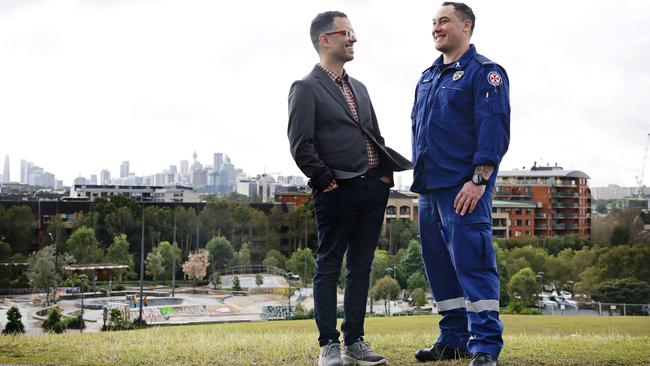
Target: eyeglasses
(348, 33)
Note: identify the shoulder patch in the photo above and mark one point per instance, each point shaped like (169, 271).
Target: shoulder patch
(494, 78)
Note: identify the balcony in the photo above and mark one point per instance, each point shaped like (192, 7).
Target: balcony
(559, 226)
(503, 194)
(563, 183)
(565, 194)
(541, 227)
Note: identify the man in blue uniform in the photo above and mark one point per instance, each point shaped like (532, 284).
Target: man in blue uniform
(461, 129)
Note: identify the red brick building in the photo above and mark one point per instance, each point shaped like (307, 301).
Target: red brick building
(560, 201)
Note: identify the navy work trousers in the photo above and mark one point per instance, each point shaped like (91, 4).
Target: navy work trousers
(348, 219)
(461, 267)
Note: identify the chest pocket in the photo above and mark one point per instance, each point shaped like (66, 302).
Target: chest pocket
(452, 95)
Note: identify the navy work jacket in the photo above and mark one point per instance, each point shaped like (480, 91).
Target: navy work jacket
(460, 119)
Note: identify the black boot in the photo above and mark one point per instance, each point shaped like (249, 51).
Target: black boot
(483, 359)
(440, 352)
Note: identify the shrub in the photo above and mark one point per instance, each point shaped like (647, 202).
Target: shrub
(74, 323)
(53, 322)
(15, 325)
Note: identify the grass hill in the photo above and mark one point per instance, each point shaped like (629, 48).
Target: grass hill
(530, 340)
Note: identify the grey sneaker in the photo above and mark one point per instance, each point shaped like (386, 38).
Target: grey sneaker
(360, 353)
(330, 355)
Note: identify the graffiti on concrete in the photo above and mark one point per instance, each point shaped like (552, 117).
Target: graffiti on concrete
(278, 312)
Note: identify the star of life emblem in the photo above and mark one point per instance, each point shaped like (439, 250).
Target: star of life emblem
(494, 78)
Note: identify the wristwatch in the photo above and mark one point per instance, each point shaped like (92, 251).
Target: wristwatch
(479, 180)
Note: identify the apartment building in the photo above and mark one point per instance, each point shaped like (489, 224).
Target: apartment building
(558, 201)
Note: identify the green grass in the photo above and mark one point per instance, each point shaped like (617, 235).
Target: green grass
(529, 340)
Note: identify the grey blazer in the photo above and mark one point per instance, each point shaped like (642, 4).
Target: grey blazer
(325, 141)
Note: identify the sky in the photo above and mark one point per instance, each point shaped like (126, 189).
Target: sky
(87, 84)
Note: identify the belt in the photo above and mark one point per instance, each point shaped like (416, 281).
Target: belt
(371, 173)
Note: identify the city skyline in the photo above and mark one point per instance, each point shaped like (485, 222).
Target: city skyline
(171, 80)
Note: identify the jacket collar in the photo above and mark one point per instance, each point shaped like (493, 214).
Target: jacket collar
(461, 62)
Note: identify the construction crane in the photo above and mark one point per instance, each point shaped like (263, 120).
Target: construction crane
(639, 178)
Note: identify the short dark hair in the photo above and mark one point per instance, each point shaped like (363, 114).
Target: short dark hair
(463, 11)
(323, 23)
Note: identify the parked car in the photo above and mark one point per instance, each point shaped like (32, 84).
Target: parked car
(566, 302)
(545, 302)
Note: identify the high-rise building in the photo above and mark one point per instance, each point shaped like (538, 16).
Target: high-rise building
(93, 179)
(24, 171)
(6, 177)
(217, 162)
(105, 177)
(124, 169)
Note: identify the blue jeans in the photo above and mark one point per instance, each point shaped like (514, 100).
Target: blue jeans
(461, 267)
(348, 219)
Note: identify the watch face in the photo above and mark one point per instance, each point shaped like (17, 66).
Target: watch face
(476, 179)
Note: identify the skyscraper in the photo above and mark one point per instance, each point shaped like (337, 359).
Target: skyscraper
(105, 177)
(217, 162)
(24, 171)
(93, 179)
(6, 178)
(124, 169)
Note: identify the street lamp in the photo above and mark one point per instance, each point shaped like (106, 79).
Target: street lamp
(174, 253)
(56, 261)
(82, 278)
(391, 271)
(142, 261)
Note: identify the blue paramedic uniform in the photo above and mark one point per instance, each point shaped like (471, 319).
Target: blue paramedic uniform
(460, 119)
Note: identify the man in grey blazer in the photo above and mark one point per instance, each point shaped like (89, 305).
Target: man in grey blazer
(335, 141)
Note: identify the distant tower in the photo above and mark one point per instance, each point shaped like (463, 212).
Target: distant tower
(105, 177)
(5, 173)
(124, 169)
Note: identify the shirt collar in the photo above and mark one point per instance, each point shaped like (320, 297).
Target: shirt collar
(461, 62)
(333, 76)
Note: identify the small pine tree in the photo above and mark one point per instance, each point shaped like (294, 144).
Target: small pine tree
(259, 280)
(236, 286)
(53, 322)
(15, 325)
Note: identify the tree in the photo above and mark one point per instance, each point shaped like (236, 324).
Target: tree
(386, 289)
(625, 261)
(14, 324)
(411, 262)
(5, 251)
(17, 228)
(81, 245)
(154, 264)
(274, 259)
(558, 272)
(302, 262)
(221, 252)
(236, 286)
(528, 256)
(118, 253)
(419, 297)
(524, 288)
(259, 280)
(620, 235)
(120, 221)
(196, 265)
(417, 280)
(41, 271)
(53, 322)
(166, 251)
(243, 257)
(379, 265)
(625, 290)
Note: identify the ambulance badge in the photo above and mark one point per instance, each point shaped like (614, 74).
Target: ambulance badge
(458, 75)
(494, 78)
